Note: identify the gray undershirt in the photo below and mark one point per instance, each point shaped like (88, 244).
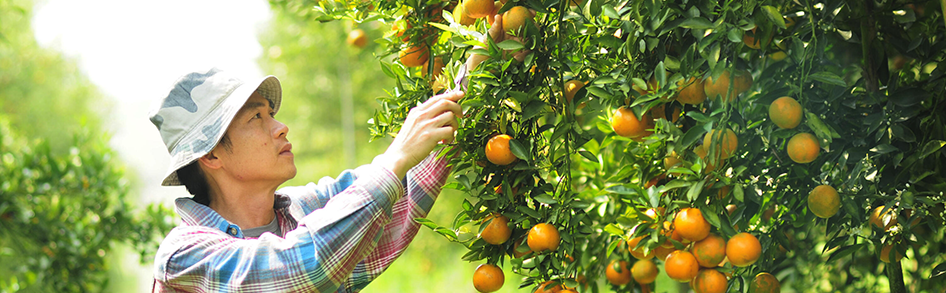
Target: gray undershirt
(272, 227)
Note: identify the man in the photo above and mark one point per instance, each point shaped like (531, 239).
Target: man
(239, 233)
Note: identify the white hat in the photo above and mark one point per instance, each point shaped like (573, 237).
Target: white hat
(197, 111)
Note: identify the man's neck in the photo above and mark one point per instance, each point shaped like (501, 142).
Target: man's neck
(243, 205)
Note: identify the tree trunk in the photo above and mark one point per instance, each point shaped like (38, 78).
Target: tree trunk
(895, 276)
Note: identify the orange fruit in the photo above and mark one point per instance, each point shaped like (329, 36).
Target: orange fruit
(743, 249)
(438, 67)
(753, 40)
(459, 14)
(488, 278)
(557, 288)
(709, 281)
(723, 141)
(571, 88)
(723, 191)
(764, 283)
(691, 224)
(824, 201)
(543, 236)
(691, 91)
(357, 38)
(741, 82)
(568, 291)
(701, 152)
(885, 254)
(710, 251)
(681, 266)
(885, 221)
(672, 234)
(672, 160)
(518, 250)
(803, 148)
(644, 271)
(515, 18)
(574, 3)
(617, 273)
(478, 8)
(414, 56)
(498, 151)
(662, 251)
(625, 123)
(638, 253)
(660, 112)
(497, 231)
(785, 112)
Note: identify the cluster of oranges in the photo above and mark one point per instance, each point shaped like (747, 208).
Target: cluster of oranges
(541, 238)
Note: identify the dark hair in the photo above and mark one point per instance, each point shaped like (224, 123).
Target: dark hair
(193, 178)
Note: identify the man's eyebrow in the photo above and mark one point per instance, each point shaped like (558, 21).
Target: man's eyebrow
(252, 105)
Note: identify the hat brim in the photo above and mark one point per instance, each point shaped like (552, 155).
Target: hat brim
(210, 130)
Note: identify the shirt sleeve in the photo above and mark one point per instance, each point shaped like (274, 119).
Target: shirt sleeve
(318, 256)
(423, 184)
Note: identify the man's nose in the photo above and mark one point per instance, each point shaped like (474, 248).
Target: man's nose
(280, 129)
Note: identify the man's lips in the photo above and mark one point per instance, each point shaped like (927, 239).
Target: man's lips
(287, 149)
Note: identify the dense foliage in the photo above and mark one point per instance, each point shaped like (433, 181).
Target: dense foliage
(869, 77)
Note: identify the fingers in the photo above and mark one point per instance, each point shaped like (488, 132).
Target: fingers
(496, 31)
(453, 96)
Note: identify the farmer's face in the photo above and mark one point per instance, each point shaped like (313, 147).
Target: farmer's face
(259, 150)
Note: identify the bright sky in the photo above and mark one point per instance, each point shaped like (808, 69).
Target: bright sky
(135, 50)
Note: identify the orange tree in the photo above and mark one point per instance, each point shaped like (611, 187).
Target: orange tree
(672, 135)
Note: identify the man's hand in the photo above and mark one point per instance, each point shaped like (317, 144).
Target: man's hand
(426, 125)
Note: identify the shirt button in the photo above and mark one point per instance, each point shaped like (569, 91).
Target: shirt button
(232, 231)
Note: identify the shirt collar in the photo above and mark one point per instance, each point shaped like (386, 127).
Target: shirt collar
(195, 214)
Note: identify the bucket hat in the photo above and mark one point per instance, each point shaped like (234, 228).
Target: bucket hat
(196, 112)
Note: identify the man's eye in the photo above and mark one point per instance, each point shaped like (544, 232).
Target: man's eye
(257, 115)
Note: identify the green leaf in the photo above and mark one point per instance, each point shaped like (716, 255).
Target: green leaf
(693, 135)
(712, 218)
(599, 92)
(939, 271)
(738, 192)
(884, 148)
(840, 253)
(510, 45)
(698, 23)
(674, 184)
(588, 155)
(519, 150)
(931, 147)
(614, 230)
(528, 211)
(821, 130)
(544, 198)
(695, 190)
(909, 97)
(774, 15)
(535, 107)
(827, 77)
(903, 133)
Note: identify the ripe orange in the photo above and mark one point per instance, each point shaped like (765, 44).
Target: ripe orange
(414, 56)
(551, 289)
(638, 253)
(701, 152)
(568, 291)
(438, 67)
(498, 150)
(753, 39)
(785, 112)
(803, 148)
(691, 224)
(662, 251)
(519, 250)
(515, 18)
(479, 8)
(660, 112)
(543, 236)
(672, 160)
(357, 38)
(644, 271)
(672, 233)
(741, 82)
(617, 273)
(459, 14)
(681, 266)
(709, 281)
(743, 249)
(571, 88)
(724, 142)
(710, 251)
(625, 123)
(824, 201)
(497, 231)
(691, 91)
(885, 221)
(885, 254)
(764, 283)
(488, 278)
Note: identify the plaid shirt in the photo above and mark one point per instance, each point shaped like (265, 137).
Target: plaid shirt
(340, 234)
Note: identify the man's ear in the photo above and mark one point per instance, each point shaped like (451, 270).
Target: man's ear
(210, 160)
